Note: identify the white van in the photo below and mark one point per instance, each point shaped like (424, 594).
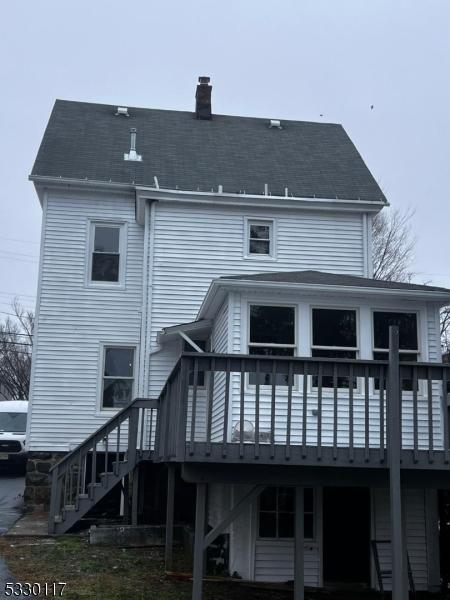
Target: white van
(13, 425)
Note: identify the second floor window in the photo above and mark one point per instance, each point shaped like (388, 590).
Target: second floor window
(272, 333)
(334, 336)
(105, 253)
(118, 377)
(408, 339)
(260, 238)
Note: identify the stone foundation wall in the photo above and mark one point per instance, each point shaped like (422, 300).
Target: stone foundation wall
(38, 478)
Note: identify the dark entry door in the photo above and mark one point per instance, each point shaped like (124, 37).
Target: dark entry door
(346, 535)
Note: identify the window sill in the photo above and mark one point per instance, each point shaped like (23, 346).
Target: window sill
(260, 257)
(105, 285)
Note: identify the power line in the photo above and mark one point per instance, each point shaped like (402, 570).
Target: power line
(14, 333)
(15, 343)
(18, 240)
(4, 293)
(22, 260)
(17, 253)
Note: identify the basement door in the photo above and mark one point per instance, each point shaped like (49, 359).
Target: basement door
(346, 535)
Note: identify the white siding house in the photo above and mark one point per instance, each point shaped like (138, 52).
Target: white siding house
(244, 240)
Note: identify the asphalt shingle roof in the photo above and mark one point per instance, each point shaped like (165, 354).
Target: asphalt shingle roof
(86, 141)
(321, 278)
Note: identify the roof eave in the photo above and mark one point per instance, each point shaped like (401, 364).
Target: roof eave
(219, 287)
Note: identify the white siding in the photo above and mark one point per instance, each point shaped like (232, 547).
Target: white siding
(193, 245)
(219, 344)
(415, 532)
(274, 561)
(74, 319)
(304, 302)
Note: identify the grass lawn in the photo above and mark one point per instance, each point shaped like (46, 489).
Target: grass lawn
(113, 573)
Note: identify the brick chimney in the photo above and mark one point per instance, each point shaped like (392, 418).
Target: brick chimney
(203, 99)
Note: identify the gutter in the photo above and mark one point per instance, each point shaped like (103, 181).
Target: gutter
(144, 193)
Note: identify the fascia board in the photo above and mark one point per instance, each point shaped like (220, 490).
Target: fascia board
(219, 288)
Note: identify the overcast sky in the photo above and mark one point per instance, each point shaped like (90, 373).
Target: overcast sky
(291, 59)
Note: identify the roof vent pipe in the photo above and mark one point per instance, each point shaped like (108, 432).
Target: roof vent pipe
(275, 124)
(203, 99)
(132, 155)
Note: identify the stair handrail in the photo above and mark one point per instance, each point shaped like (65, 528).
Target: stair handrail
(106, 428)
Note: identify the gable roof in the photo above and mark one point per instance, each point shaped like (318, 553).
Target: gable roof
(85, 141)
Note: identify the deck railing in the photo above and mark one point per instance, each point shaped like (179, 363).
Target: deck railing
(278, 409)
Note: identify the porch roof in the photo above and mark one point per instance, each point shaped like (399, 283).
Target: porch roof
(319, 282)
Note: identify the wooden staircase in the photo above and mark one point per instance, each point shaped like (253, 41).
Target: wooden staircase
(85, 475)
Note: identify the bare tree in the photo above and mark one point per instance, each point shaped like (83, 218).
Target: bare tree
(16, 340)
(393, 245)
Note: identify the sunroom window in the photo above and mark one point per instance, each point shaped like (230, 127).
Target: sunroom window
(272, 333)
(408, 339)
(277, 513)
(118, 377)
(334, 335)
(105, 253)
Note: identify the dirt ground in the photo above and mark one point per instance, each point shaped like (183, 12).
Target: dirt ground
(112, 573)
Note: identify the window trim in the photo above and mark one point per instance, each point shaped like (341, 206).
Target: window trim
(248, 385)
(101, 410)
(418, 353)
(416, 312)
(248, 221)
(123, 233)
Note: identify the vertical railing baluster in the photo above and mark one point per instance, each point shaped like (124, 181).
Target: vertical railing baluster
(415, 417)
(351, 411)
(150, 433)
(78, 491)
(117, 449)
(335, 410)
(257, 407)
(381, 396)
(430, 417)
(319, 413)
(366, 415)
(289, 410)
(209, 406)
(304, 408)
(226, 408)
(142, 421)
(94, 463)
(194, 408)
(106, 454)
(446, 440)
(272, 410)
(241, 410)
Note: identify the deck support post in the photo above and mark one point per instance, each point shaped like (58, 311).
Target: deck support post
(169, 516)
(200, 519)
(394, 442)
(135, 495)
(299, 557)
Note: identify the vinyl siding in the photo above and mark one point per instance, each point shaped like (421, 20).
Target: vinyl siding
(304, 304)
(274, 561)
(193, 245)
(415, 533)
(74, 319)
(219, 344)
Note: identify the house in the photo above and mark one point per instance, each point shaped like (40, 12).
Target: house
(206, 302)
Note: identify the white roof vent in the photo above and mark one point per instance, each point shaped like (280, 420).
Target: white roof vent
(122, 111)
(275, 124)
(132, 155)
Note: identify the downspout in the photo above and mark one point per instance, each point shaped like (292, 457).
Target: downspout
(147, 287)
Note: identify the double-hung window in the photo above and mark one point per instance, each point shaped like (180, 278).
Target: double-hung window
(277, 513)
(260, 238)
(408, 342)
(334, 335)
(105, 253)
(118, 376)
(271, 333)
